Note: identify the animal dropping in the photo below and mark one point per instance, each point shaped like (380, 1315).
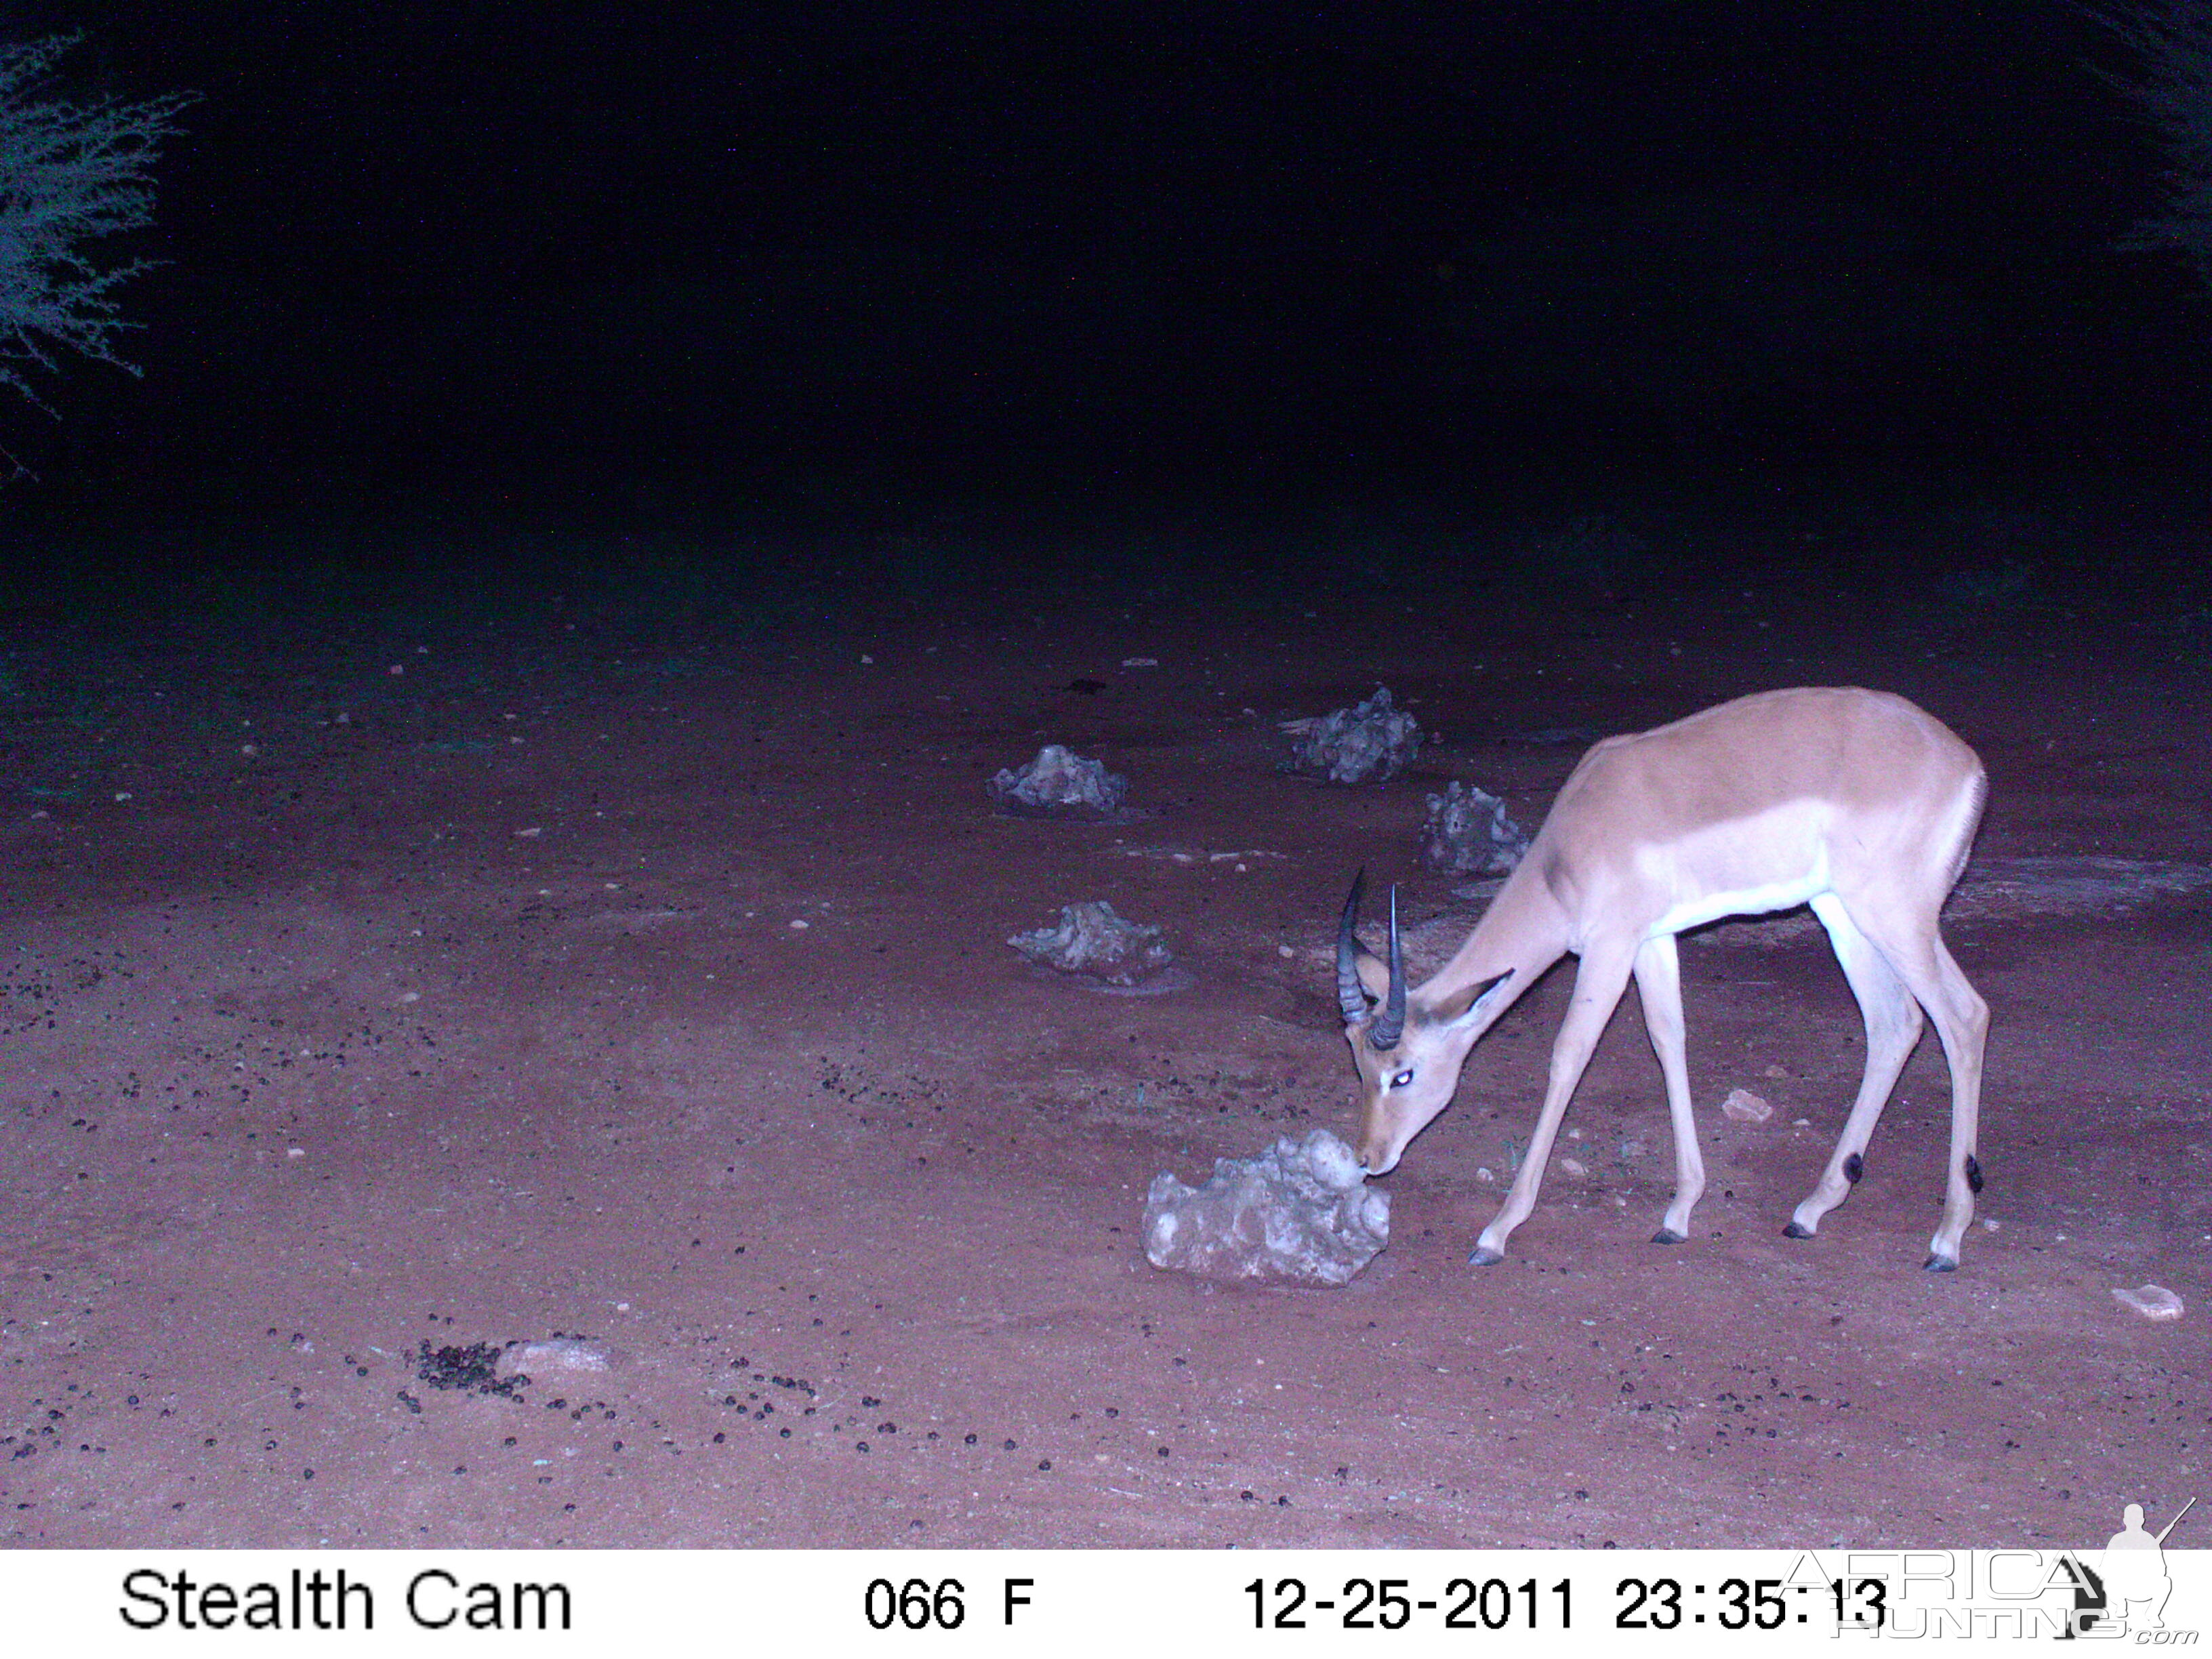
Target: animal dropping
(1300, 1212)
(1854, 802)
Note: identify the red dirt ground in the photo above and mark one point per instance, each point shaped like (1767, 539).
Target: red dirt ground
(658, 994)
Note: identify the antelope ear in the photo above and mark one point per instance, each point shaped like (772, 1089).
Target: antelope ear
(1374, 976)
(1478, 1003)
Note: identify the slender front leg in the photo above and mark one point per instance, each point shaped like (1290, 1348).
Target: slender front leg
(1659, 985)
(1598, 985)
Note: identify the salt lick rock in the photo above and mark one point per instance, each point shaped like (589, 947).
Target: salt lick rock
(1300, 1212)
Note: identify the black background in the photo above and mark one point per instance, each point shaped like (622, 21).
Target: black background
(1124, 243)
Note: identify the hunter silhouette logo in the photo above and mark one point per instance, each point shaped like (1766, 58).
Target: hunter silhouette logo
(2134, 1570)
(2117, 1594)
(2127, 1590)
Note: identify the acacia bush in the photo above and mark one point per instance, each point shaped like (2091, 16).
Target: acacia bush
(2172, 38)
(72, 174)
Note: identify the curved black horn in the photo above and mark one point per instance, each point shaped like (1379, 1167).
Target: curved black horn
(1391, 1024)
(1351, 997)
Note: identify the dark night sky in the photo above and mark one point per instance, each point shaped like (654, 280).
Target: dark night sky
(1370, 238)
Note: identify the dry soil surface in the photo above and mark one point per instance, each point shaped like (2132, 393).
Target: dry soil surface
(366, 1003)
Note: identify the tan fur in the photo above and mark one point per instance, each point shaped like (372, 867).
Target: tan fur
(1854, 801)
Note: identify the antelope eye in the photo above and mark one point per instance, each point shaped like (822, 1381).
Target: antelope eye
(1401, 1079)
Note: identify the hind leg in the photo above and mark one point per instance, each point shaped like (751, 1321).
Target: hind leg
(1893, 1025)
(1962, 1021)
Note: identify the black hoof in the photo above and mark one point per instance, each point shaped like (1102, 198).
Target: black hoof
(1942, 1264)
(1668, 1235)
(1485, 1257)
(1793, 1230)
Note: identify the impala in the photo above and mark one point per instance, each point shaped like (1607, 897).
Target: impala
(1854, 802)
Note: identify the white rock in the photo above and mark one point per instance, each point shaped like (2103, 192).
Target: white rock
(559, 1354)
(1301, 1211)
(1468, 833)
(1746, 1107)
(1347, 745)
(2151, 1301)
(1092, 938)
(1060, 780)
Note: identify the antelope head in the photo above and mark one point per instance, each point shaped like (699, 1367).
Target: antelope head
(1409, 1047)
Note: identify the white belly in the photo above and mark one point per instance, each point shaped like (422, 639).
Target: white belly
(1738, 902)
(1743, 868)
